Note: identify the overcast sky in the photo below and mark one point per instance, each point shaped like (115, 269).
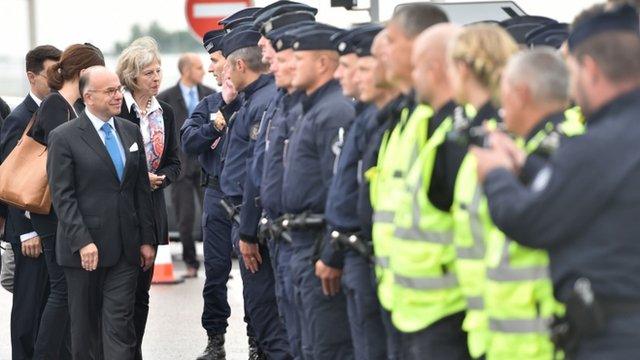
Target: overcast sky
(63, 22)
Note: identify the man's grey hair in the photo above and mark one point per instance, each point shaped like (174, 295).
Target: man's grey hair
(414, 18)
(252, 57)
(137, 56)
(543, 71)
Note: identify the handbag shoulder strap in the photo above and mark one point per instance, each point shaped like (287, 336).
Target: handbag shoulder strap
(30, 124)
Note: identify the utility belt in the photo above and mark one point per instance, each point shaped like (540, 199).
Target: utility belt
(233, 210)
(306, 222)
(279, 228)
(586, 314)
(208, 181)
(303, 221)
(352, 241)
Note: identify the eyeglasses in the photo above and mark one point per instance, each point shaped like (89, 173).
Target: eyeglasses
(111, 92)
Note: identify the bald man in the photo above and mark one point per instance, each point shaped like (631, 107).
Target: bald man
(101, 193)
(419, 250)
(183, 98)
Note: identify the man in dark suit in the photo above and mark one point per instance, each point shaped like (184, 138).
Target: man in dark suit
(30, 282)
(183, 98)
(101, 192)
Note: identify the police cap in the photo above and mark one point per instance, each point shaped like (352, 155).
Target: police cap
(238, 15)
(282, 38)
(314, 37)
(284, 20)
(212, 40)
(519, 26)
(363, 44)
(236, 40)
(345, 41)
(274, 10)
(622, 18)
(233, 24)
(548, 35)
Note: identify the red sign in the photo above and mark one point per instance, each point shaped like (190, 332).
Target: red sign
(203, 15)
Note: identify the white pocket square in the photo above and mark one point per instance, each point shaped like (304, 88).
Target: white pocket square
(133, 147)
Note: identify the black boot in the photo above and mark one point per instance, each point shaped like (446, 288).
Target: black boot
(214, 349)
(254, 351)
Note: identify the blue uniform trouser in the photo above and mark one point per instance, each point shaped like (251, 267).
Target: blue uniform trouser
(393, 335)
(281, 262)
(324, 316)
(216, 230)
(259, 293)
(363, 308)
(620, 339)
(443, 339)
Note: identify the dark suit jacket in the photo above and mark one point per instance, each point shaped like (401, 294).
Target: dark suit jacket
(93, 206)
(169, 166)
(13, 127)
(173, 96)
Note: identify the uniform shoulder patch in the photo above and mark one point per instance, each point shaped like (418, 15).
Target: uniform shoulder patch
(254, 130)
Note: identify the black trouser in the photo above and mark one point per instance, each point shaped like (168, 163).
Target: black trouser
(30, 289)
(618, 340)
(182, 198)
(443, 339)
(141, 308)
(101, 309)
(53, 340)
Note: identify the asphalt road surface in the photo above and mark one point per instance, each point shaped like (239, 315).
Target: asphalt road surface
(173, 330)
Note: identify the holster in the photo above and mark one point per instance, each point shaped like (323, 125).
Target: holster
(233, 211)
(352, 241)
(273, 229)
(584, 316)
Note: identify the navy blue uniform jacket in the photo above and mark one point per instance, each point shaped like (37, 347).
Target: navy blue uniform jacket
(583, 207)
(314, 147)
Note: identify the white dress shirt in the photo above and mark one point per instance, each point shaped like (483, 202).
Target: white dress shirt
(97, 124)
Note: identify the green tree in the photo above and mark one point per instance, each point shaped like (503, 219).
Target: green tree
(169, 42)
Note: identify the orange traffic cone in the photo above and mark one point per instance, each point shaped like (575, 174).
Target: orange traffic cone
(163, 268)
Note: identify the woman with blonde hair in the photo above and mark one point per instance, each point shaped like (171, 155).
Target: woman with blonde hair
(139, 71)
(476, 57)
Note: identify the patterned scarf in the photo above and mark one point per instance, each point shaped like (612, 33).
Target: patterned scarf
(154, 147)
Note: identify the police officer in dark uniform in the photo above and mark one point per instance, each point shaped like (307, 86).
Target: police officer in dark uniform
(339, 210)
(245, 70)
(309, 166)
(344, 249)
(582, 207)
(267, 163)
(251, 205)
(203, 134)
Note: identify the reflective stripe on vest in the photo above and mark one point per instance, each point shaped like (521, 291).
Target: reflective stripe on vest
(475, 303)
(382, 261)
(445, 281)
(383, 216)
(537, 325)
(437, 237)
(504, 272)
(477, 250)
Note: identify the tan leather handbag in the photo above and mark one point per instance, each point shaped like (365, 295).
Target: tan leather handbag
(23, 176)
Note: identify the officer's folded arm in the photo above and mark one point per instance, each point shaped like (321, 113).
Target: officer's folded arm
(562, 199)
